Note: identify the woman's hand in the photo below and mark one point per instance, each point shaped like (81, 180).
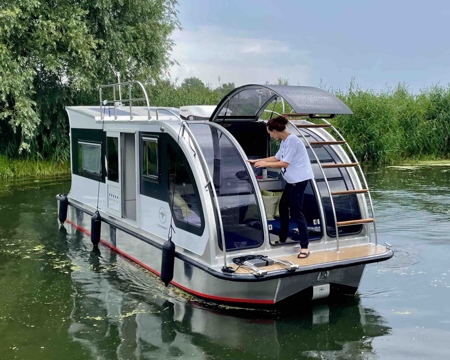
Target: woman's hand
(258, 163)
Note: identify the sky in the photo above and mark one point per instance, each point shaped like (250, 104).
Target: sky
(374, 44)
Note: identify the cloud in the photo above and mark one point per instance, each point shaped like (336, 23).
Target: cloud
(211, 52)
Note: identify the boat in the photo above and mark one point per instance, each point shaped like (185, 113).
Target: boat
(171, 189)
(117, 304)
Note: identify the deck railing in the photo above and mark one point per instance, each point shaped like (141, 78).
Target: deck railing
(364, 191)
(118, 100)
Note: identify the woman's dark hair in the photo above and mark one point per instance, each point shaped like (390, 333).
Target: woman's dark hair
(279, 123)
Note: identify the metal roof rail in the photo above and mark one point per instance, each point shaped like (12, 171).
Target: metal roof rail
(117, 99)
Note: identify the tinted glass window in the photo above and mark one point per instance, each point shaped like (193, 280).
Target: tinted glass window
(240, 213)
(182, 189)
(246, 103)
(89, 158)
(150, 166)
(113, 158)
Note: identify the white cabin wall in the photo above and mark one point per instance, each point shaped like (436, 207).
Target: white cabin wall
(79, 120)
(155, 217)
(149, 211)
(87, 191)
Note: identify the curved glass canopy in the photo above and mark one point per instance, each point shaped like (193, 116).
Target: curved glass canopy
(249, 101)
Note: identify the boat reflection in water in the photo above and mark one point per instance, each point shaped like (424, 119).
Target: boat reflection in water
(119, 313)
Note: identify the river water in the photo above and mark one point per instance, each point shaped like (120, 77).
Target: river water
(61, 300)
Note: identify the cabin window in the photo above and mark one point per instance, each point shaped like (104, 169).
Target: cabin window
(113, 159)
(241, 215)
(90, 158)
(150, 166)
(182, 190)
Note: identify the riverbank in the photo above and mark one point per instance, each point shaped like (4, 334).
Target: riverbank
(15, 169)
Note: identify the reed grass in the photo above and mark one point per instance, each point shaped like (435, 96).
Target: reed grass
(392, 126)
(395, 126)
(15, 168)
(388, 127)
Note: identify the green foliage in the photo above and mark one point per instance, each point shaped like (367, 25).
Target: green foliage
(166, 93)
(193, 83)
(14, 168)
(55, 53)
(282, 81)
(226, 87)
(394, 126)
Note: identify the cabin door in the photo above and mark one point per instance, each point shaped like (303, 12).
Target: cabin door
(121, 174)
(129, 176)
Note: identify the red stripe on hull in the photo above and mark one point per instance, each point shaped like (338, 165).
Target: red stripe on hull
(190, 291)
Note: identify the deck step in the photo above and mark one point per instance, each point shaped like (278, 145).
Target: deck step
(346, 192)
(317, 143)
(328, 166)
(355, 222)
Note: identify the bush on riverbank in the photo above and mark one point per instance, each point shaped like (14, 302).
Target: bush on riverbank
(388, 127)
(395, 126)
(14, 168)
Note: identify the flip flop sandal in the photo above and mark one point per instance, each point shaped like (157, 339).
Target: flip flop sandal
(303, 255)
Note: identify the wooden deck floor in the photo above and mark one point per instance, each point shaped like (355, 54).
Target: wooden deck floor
(321, 257)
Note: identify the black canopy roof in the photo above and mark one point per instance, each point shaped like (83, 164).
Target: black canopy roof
(249, 101)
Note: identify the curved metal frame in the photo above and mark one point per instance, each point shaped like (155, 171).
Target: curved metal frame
(341, 108)
(352, 154)
(253, 179)
(115, 102)
(328, 189)
(208, 177)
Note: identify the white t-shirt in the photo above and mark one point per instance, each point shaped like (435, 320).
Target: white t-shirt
(293, 151)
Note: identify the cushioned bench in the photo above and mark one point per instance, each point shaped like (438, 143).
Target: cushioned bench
(314, 231)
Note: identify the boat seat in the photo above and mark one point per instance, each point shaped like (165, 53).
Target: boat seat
(314, 231)
(233, 240)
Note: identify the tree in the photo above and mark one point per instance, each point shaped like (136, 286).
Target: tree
(227, 87)
(282, 81)
(55, 53)
(193, 83)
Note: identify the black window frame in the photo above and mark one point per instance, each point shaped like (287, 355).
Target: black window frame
(150, 177)
(160, 189)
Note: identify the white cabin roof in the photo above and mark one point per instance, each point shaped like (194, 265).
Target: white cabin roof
(196, 112)
(123, 113)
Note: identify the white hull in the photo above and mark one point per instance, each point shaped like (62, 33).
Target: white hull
(213, 284)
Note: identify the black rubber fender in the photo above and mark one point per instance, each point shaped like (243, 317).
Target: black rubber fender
(63, 206)
(168, 261)
(96, 227)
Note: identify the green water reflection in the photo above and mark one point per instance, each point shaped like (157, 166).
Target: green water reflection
(61, 300)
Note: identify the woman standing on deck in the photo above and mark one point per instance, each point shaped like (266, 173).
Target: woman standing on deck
(293, 160)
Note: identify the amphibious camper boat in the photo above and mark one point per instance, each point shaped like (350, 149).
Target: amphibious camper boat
(171, 190)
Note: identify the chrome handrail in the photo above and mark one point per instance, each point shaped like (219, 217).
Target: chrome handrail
(118, 100)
